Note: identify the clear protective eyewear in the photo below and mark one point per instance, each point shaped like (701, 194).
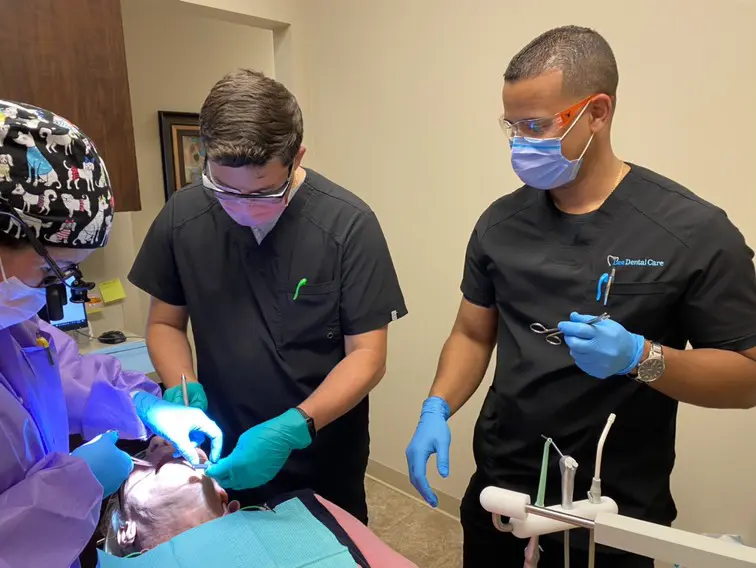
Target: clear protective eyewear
(548, 127)
(225, 192)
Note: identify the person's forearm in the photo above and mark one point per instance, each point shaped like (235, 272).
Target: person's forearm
(461, 368)
(711, 378)
(347, 384)
(170, 353)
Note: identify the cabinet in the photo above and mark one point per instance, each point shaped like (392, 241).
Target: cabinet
(68, 56)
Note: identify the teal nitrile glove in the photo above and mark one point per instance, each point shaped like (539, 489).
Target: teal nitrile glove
(432, 436)
(196, 392)
(183, 426)
(262, 451)
(110, 465)
(602, 349)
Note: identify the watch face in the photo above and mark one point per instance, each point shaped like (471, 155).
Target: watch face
(651, 370)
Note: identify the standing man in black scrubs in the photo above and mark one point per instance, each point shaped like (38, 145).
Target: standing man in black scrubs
(681, 272)
(289, 285)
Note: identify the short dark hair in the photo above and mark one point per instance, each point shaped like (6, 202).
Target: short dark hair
(582, 55)
(250, 119)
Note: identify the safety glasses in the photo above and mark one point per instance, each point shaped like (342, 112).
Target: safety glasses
(548, 127)
(225, 192)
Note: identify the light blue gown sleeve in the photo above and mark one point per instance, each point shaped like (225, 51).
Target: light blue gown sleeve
(47, 513)
(98, 391)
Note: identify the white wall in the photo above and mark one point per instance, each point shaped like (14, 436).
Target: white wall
(174, 56)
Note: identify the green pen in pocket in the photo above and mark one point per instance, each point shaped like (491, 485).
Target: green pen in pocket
(302, 283)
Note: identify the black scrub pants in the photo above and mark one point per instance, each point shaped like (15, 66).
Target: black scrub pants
(486, 547)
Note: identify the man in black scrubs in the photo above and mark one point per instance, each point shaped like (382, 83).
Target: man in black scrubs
(289, 285)
(680, 272)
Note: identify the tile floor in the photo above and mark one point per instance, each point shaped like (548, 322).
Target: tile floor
(427, 537)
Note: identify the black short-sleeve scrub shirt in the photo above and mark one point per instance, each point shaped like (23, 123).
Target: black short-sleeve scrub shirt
(260, 351)
(683, 273)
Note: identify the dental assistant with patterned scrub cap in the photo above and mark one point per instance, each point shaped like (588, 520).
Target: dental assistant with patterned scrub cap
(56, 208)
(289, 285)
(587, 234)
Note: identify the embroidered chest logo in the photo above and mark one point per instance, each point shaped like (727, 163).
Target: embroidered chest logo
(606, 280)
(615, 261)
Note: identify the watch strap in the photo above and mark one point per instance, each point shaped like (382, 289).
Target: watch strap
(310, 422)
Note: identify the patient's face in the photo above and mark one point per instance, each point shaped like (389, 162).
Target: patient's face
(165, 497)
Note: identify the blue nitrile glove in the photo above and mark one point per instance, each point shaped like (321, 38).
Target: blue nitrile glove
(183, 426)
(196, 392)
(432, 436)
(602, 349)
(262, 451)
(109, 465)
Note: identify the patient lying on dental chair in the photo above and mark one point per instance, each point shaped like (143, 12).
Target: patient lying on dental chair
(165, 500)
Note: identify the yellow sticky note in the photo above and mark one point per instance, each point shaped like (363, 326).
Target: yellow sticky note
(112, 290)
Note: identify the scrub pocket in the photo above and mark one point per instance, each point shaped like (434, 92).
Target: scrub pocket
(639, 288)
(313, 317)
(643, 307)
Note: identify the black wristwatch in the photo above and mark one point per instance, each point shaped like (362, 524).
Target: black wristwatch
(310, 422)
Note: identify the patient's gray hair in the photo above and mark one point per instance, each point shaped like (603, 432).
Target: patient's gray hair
(582, 55)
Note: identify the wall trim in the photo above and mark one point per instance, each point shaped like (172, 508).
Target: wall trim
(400, 482)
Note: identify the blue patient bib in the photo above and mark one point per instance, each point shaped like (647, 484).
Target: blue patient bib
(290, 537)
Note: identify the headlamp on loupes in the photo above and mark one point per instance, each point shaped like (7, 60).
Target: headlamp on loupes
(55, 284)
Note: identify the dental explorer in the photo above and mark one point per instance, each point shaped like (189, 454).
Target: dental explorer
(185, 395)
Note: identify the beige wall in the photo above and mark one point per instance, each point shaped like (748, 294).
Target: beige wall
(174, 57)
(404, 98)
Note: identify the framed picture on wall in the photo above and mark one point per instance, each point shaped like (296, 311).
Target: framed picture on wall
(183, 155)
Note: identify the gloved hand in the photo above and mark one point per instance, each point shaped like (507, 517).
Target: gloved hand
(432, 436)
(262, 451)
(602, 349)
(196, 392)
(183, 426)
(109, 465)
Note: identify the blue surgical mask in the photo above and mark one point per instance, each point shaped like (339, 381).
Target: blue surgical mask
(539, 162)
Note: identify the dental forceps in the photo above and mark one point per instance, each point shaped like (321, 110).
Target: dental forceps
(552, 334)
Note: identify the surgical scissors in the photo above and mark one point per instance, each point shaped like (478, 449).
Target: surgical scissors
(552, 334)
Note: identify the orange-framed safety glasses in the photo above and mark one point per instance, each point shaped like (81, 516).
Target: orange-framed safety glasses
(548, 127)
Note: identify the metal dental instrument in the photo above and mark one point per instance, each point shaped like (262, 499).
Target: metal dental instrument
(610, 280)
(185, 394)
(141, 462)
(609, 285)
(552, 334)
(184, 390)
(568, 467)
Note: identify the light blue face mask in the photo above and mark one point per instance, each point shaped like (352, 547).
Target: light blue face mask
(539, 162)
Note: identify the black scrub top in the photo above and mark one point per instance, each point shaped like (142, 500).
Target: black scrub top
(683, 274)
(259, 351)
